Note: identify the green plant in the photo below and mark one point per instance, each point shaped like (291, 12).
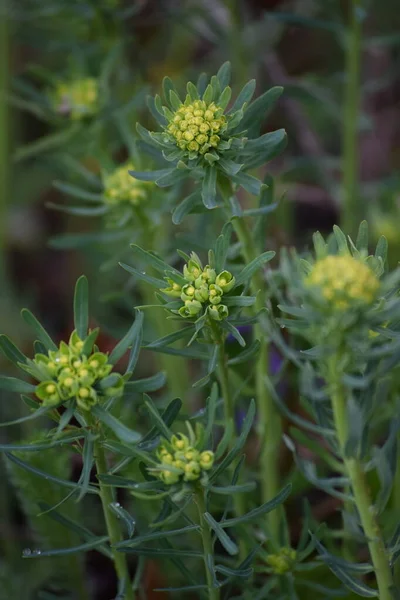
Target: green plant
(174, 483)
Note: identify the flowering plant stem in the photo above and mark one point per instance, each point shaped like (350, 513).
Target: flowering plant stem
(229, 408)
(355, 472)
(351, 201)
(269, 421)
(112, 524)
(206, 537)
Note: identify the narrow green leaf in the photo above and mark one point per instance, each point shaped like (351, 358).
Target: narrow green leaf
(158, 283)
(41, 445)
(167, 86)
(121, 431)
(42, 334)
(224, 75)
(239, 300)
(132, 451)
(229, 167)
(255, 264)
(248, 182)
(244, 96)
(87, 460)
(158, 420)
(382, 248)
(12, 384)
(173, 176)
(46, 143)
(79, 211)
(171, 337)
(168, 416)
(125, 516)
(362, 237)
(208, 191)
(11, 351)
(149, 175)
(84, 533)
(186, 207)
(242, 573)
(341, 240)
(258, 111)
(77, 192)
(229, 490)
(157, 535)
(148, 384)
(223, 538)
(246, 355)
(343, 573)
(158, 552)
(235, 332)
(152, 260)
(45, 475)
(238, 445)
(63, 551)
(129, 339)
(88, 344)
(222, 246)
(37, 413)
(260, 510)
(81, 307)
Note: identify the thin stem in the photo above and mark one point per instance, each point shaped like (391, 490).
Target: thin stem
(113, 526)
(269, 422)
(222, 368)
(352, 208)
(356, 474)
(239, 503)
(213, 592)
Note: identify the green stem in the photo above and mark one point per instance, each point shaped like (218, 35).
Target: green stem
(356, 474)
(112, 523)
(396, 506)
(269, 422)
(213, 592)
(239, 503)
(352, 208)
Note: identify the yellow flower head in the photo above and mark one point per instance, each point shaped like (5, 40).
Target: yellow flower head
(120, 187)
(196, 127)
(283, 561)
(343, 281)
(77, 99)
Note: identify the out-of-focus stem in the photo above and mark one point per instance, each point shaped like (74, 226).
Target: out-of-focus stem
(356, 473)
(351, 204)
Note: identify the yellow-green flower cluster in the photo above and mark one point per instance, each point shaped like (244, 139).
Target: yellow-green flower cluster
(283, 561)
(78, 99)
(121, 188)
(180, 461)
(197, 127)
(69, 373)
(343, 281)
(204, 290)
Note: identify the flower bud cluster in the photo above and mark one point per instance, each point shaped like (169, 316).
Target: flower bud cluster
(283, 561)
(343, 281)
(182, 462)
(120, 187)
(77, 99)
(204, 290)
(69, 373)
(197, 127)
